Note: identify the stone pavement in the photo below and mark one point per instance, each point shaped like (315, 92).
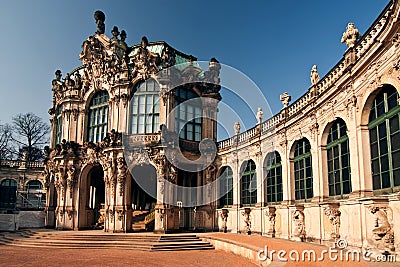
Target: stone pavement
(26, 256)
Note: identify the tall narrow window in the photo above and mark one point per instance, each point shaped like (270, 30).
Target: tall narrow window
(226, 187)
(98, 117)
(145, 108)
(8, 194)
(384, 135)
(58, 126)
(303, 179)
(339, 180)
(273, 177)
(248, 184)
(188, 113)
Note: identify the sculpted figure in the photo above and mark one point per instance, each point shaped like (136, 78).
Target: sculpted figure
(57, 83)
(260, 114)
(167, 57)
(351, 35)
(100, 18)
(68, 81)
(144, 60)
(314, 76)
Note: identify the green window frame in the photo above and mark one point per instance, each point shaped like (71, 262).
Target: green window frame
(303, 178)
(248, 185)
(384, 134)
(338, 158)
(58, 126)
(145, 108)
(98, 117)
(273, 177)
(226, 187)
(188, 115)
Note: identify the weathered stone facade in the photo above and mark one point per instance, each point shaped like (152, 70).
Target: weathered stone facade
(322, 211)
(80, 161)
(364, 216)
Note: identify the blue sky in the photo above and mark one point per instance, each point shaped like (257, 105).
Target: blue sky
(275, 43)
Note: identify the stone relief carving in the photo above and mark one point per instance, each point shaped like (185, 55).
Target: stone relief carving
(224, 216)
(298, 221)
(121, 174)
(382, 233)
(351, 35)
(247, 220)
(271, 215)
(71, 171)
(333, 214)
(145, 62)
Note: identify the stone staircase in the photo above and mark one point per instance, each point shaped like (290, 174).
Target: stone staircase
(138, 220)
(101, 240)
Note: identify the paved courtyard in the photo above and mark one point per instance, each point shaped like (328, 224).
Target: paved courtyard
(20, 256)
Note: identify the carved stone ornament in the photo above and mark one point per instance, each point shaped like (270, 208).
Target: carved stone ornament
(224, 216)
(71, 171)
(382, 233)
(333, 214)
(138, 157)
(259, 115)
(285, 98)
(247, 220)
(271, 215)
(236, 127)
(351, 35)
(121, 174)
(145, 62)
(314, 76)
(298, 224)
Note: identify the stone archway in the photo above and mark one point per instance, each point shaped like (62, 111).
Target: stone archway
(92, 198)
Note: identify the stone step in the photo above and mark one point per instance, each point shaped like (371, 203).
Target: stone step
(53, 239)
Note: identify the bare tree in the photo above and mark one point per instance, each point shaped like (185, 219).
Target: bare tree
(5, 142)
(30, 132)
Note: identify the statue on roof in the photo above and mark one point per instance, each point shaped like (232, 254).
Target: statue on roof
(145, 61)
(115, 34)
(314, 76)
(68, 81)
(167, 57)
(100, 18)
(57, 81)
(351, 35)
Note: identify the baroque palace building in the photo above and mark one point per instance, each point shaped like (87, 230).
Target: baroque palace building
(326, 167)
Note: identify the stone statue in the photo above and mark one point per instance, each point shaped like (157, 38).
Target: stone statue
(247, 219)
(100, 18)
(351, 35)
(145, 61)
(224, 217)
(285, 98)
(77, 80)
(236, 127)
(123, 35)
(115, 33)
(167, 57)
(57, 83)
(259, 115)
(383, 230)
(68, 81)
(314, 76)
(299, 229)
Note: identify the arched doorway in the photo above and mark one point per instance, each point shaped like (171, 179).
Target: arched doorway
(92, 198)
(143, 196)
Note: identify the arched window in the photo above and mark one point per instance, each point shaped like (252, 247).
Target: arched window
(188, 114)
(384, 137)
(98, 117)
(58, 126)
(8, 194)
(273, 177)
(226, 187)
(248, 184)
(34, 196)
(303, 179)
(145, 108)
(339, 179)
